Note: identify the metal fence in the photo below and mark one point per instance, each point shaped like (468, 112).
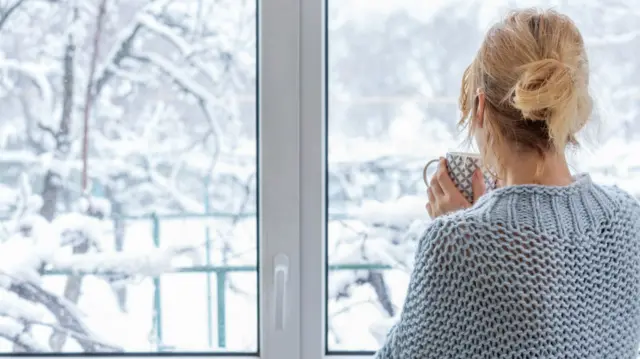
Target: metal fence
(220, 272)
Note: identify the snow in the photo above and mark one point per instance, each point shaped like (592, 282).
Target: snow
(406, 208)
(13, 306)
(19, 260)
(148, 263)
(9, 328)
(172, 163)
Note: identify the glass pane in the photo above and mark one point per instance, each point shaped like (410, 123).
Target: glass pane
(128, 184)
(394, 71)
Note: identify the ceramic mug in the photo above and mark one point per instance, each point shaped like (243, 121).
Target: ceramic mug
(461, 166)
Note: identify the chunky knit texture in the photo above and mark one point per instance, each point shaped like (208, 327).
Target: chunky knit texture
(527, 272)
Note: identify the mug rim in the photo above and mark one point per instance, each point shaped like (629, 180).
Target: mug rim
(464, 154)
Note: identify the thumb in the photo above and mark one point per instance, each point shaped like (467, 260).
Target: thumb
(477, 184)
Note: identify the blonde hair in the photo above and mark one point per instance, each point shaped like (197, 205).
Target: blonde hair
(532, 68)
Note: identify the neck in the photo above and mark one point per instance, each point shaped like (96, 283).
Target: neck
(521, 169)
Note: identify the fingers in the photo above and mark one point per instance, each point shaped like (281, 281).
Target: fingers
(435, 186)
(431, 205)
(444, 180)
(431, 195)
(478, 185)
(444, 196)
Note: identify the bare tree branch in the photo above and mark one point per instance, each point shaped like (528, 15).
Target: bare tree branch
(5, 14)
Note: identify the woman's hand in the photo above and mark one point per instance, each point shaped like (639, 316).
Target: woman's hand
(444, 196)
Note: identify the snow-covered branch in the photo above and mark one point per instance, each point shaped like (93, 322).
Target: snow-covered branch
(150, 263)
(37, 74)
(16, 332)
(37, 246)
(63, 312)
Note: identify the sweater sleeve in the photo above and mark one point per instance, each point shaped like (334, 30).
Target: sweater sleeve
(427, 301)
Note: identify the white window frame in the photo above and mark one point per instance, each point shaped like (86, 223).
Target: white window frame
(304, 71)
(313, 176)
(279, 173)
(293, 73)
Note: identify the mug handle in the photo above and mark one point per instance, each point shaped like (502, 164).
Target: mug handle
(424, 170)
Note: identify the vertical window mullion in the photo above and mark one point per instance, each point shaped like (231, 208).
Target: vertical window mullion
(279, 179)
(313, 175)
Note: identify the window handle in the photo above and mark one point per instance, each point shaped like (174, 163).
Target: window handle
(280, 278)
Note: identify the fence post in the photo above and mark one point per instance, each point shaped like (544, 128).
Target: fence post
(157, 305)
(221, 284)
(207, 248)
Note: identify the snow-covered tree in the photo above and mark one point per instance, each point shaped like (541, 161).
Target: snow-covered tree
(139, 104)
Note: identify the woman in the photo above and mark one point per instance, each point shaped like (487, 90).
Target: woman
(548, 265)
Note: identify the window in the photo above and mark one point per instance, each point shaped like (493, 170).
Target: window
(243, 177)
(145, 240)
(394, 70)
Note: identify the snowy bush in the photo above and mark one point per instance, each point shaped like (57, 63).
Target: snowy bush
(72, 243)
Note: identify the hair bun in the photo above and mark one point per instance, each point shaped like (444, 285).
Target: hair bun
(547, 91)
(543, 86)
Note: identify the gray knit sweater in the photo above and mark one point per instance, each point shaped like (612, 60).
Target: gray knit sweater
(527, 272)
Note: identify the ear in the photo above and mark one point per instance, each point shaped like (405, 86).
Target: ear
(479, 117)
